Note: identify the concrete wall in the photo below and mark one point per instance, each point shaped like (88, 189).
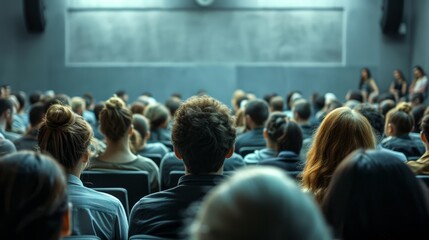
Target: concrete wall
(37, 62)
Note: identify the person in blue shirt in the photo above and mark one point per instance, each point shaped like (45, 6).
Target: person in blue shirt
(67, 137)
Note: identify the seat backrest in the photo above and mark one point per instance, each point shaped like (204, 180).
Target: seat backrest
(155, 157)
(145, 237)
(135, 182)
(119, 193)
(424, 178)
(243, 151)
(82, 237)
(174, 178)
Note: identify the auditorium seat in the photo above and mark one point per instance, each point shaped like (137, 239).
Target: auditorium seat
(145, 237)
(119, 193)
(424, 178)
(154, 157)
(135, 182)
(82, 237)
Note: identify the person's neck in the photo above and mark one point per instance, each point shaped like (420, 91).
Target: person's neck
(117, 151)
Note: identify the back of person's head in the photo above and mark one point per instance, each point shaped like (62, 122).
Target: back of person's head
(158, 115)
(203, 134)
(333, 104)
(141, 124)
(33, 202)
(173, 104)
(355, 95)
(374, 117)
(341, 132)
(418, 113)
(284, 133)
(36, 114)
(424, 126)
(64, 135)
(303, 109)
(78, 105)
(122, 94)
(399, 120)
(57, 99)
(373, 195)
(115, 119)
(35, 97)
(319, 102)
(97, 109)
(276, 104)
(5, 105)
(386, 96)
(137, 108)
(386, 106)
(257, 110)
(258, 203)
(417, 98)
(21, 98)
(291, 97)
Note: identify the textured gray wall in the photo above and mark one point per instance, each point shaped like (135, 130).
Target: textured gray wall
(38, 62)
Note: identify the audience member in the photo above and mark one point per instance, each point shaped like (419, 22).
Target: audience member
(421, 166)
(376, 119)
(399, 85)
(67, 137)
(418, 113)
(116, 126)
(142, 126)
(255, 114)
(301, 115)
(97, 109)
(399, 124)
(6, 146)
(33, 202)
(29, 140)
(122, 94)
(159, 117)
(373, 195)
(420, 82)
(78, 105)
(341, 132)
(258, 203)
(367, 84)
(6, 117)
(386, 106)
(20, 118)
(203, 135)
(276, 104)
(288, 142)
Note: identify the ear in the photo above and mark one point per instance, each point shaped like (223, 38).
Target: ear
(265, 133)
(230, 152)
(177, 153)
(85, 157)
(66, 226)
(423, 137)
(295, 115)
(147, 135)
(389, 129)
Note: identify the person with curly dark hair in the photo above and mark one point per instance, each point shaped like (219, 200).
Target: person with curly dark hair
(203, 136)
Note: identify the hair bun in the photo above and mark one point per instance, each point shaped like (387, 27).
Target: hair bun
(59, 116)
(115, 103)
(404, 107)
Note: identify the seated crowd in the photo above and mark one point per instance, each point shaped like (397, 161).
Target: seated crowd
(320, 169)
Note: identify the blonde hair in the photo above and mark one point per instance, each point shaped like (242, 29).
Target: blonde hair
(342, 131)
(400, 118)
(115, 119)
(64, 135)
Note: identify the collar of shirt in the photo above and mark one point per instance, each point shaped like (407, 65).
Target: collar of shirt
(198, 180)
(72, 179)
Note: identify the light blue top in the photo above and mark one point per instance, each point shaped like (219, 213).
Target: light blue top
(96, 213)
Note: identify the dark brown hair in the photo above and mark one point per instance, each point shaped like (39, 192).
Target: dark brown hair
(115, 119)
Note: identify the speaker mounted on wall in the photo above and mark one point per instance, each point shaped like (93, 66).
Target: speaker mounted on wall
(34, 15)
(392, 12)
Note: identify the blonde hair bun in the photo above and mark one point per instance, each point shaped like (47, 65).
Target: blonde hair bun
(404, 107)
(115, 103)
(59, 116)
